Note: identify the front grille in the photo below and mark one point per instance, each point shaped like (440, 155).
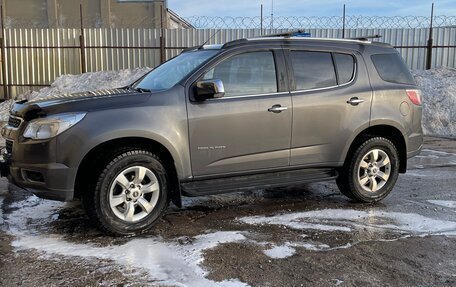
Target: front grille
(9, 146)
(14, 122)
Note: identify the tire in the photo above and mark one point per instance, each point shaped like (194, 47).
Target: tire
(371, 171)
(129, 192)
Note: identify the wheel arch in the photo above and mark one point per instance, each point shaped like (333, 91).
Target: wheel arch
(394, 134)
(86, 165)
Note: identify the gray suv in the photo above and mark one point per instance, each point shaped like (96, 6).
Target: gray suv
(251, 113)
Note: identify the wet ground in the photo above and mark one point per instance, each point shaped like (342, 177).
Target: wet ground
(297, 236)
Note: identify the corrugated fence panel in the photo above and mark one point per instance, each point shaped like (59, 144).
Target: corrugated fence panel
(35, 57)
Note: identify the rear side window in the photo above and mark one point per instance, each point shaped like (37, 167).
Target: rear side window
(313, 70)
(345, 66)
(391, 68)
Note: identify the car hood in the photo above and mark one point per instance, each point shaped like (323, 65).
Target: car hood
(77, 102)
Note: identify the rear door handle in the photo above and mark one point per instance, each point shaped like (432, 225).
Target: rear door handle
(277, 109)
(355, 101)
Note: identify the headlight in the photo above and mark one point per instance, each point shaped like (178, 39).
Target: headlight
(48, 127)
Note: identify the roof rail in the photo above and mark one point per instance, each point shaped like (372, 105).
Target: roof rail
(286, 34)
(366, 38)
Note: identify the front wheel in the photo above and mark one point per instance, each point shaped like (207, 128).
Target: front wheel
(130, 193)
(371, 172)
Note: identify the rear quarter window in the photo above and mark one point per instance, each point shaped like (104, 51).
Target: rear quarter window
(345, 66)
(391, 68)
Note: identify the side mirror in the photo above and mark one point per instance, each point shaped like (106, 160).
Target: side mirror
(209, 89)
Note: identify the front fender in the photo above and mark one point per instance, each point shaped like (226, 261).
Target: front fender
(149, 122)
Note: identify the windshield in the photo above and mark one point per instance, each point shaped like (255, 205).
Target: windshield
(172, 72)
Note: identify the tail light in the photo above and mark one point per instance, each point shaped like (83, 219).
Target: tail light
(415, 97)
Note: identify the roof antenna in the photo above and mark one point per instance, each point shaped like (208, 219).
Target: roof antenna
(210, 38)
(272, 15)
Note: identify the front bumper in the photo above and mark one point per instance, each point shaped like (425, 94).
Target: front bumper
(32, 166)
(49, 181)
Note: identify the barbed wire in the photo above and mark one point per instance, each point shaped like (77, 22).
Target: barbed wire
(228, 22)
(332, 22)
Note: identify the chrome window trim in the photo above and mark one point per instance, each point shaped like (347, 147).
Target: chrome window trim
(249, 96)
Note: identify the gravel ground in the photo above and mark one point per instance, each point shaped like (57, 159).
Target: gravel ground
(297, 236)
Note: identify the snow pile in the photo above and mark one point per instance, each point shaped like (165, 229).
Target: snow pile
(439, 96)
(89, 81)
(68, 84)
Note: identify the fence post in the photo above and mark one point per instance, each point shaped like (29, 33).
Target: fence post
(162, 37)
(261, 20)
(82, 43)
(343, 24)
(3, 57)
(430, 42)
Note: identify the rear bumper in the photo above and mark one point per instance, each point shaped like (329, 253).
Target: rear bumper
(415, 144)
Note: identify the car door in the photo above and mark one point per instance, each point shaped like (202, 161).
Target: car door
(250, 127)
(331, 102)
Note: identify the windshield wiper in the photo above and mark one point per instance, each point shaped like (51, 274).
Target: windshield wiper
(141, 90)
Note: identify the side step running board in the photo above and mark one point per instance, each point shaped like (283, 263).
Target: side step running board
(248, 182)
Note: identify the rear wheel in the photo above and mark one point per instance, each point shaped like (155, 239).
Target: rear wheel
(130, 193)
(371, 172)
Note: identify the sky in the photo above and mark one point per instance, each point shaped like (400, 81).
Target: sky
(188, 8)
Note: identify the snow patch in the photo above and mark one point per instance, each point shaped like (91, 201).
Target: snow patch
(347, 220)
(280, 252)
(439, 100)
(337, 282)
(444, 203)
(170, 263)
(31, 211)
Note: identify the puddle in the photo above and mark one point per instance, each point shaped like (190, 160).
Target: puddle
(343, 228)
(432, 158)
(444, 203)
(346, 220)
(440, 174)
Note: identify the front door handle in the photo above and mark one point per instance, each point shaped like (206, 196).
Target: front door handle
(277, 109)
(355, 101)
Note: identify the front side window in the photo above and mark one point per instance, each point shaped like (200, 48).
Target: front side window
(173, 71)
(250, 73)
(313, 70)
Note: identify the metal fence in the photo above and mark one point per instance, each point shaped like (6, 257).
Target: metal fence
(33, 58)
